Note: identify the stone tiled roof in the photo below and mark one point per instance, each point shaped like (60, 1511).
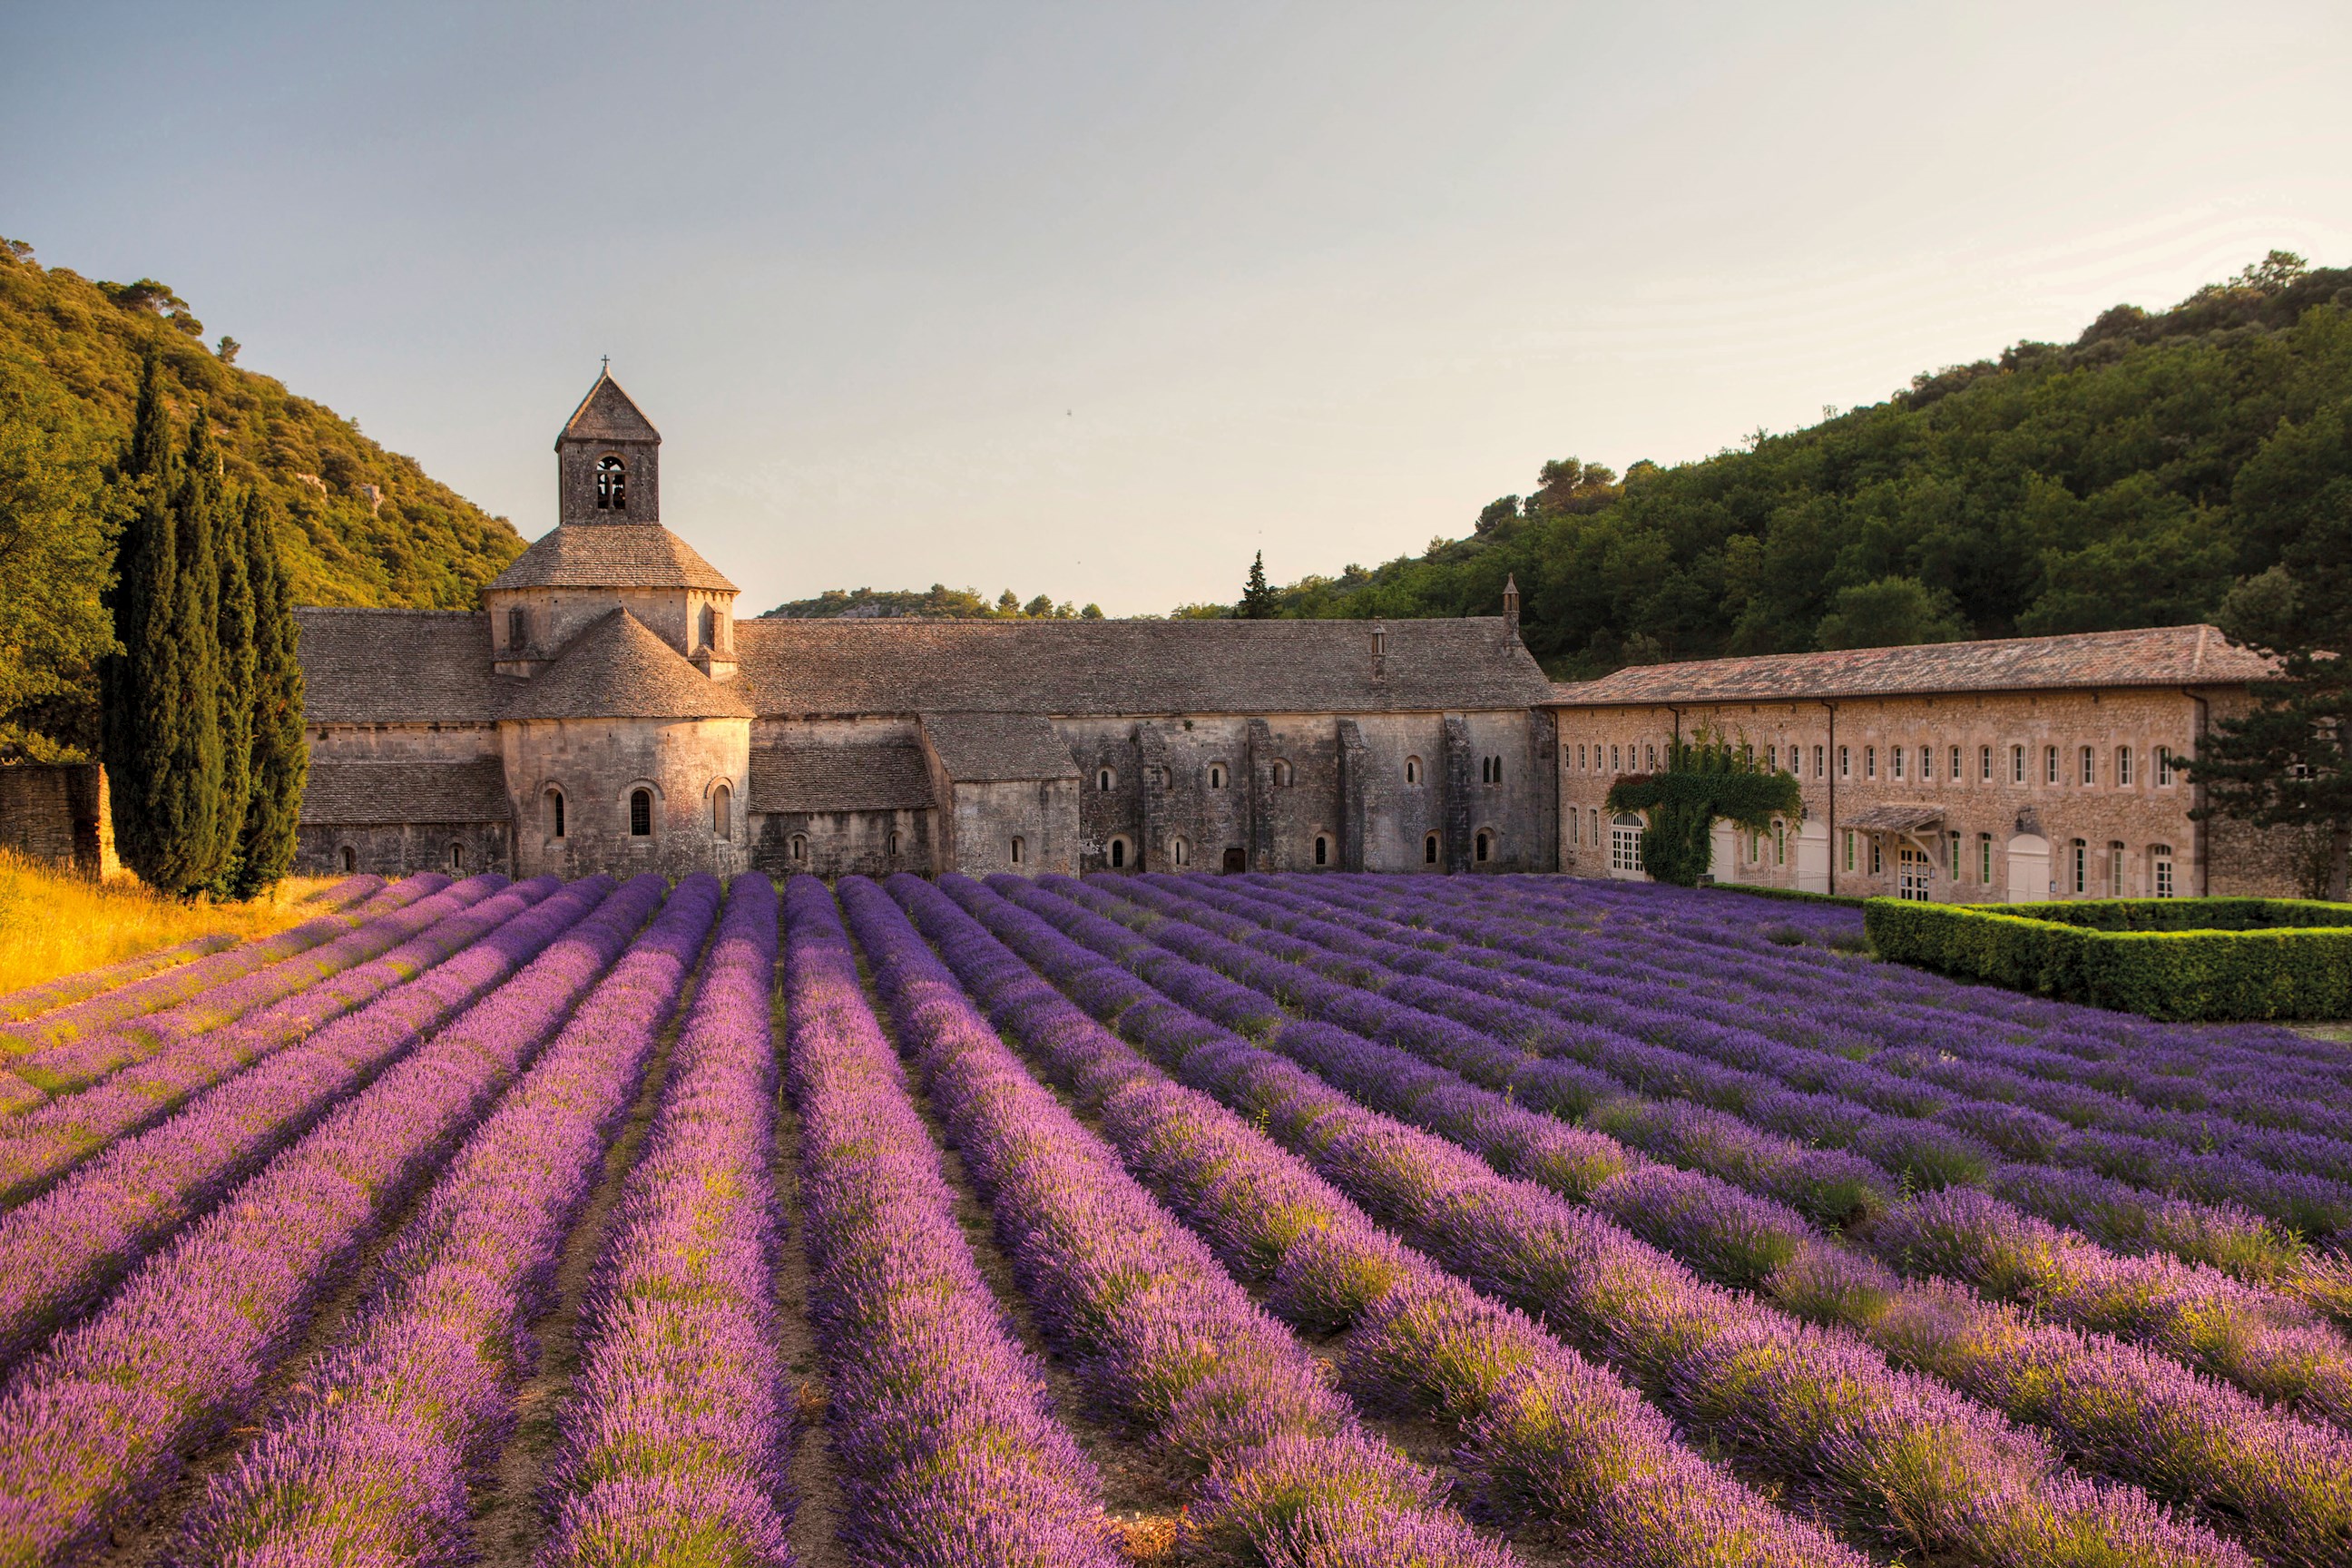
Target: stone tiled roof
(869, 776)
(2157, 656)
(619, 670)
(988, 748)
(608, 413)
(792, 668)
(610, 555)
(361, 795)
(390, 666)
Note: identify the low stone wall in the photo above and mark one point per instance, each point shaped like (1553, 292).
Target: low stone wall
(58, 813)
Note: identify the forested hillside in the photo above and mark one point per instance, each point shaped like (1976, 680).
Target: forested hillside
(2127, 478)
(940, 603)
(356, 524)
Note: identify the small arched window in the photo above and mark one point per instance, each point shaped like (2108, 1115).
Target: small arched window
(1118, 854)
(893, 846)
(1281, 775)
(517, 627)
(800, 846)
(722, 812)
(1481, 845)
(1216, 776)
(710, 628)
(641, 813)
(1178, 852)
(555, 814)
(351, 859)
(612, 485)
(1429, 850)
(1322, 850)
(1019, 849)
(1106, 780)
(1412, 770)
(456, 857)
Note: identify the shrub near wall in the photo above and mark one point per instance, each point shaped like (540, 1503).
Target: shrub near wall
(2196, 958)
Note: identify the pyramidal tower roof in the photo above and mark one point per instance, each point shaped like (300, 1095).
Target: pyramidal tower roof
(617, 668)
(608, 413)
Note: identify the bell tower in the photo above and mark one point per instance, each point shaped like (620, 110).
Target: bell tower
(606, 462)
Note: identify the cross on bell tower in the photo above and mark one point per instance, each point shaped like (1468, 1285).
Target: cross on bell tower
(606, 460)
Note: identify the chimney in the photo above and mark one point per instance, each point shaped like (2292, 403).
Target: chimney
(1511, 606)
(1380, 650)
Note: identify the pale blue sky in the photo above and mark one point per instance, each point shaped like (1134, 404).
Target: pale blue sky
(1096, 300)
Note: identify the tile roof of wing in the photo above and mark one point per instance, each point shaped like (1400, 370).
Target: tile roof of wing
(610, 555)
(995, 748)
(2153, 655)
(392, 667)
(1894, 817)
(1072, 668)
(362, 795)
(886, 776)
(617, 668)
(608, 413)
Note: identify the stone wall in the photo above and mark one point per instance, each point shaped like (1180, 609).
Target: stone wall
(1865, 752)
(58, 813)
(1043, 814)
(402, 742)
(553, 616)
(846, 842)
(395, 849)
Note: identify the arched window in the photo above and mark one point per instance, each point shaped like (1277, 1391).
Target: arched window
(1626, 842)
(1481, 845)
(1118, 854)
(1322, 850)
(456, 857)
(1412, 770)
(2115, 853)
(1178, 852)
(800, 846)
(722, 812)
(517, 627)
(2122, 767)
(1106, 780)
(2159, 869)
(2080, 874)
(710, 628)
(641, 813)
(1281, 775)
(893, 848)
(351, 859)
(554, 800)
(1429, 850)
(1019, 850)
(1216, 776)
(612, 485)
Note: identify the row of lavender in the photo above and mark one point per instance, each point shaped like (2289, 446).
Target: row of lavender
(2273, 1479)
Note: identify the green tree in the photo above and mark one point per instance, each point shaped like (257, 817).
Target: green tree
(281, 761)
(1889, 613)
(2288, 763)
(1705, 779)
(189, 841)
(56, 537)
(1258, 599)
(138, 681)
(235, 630)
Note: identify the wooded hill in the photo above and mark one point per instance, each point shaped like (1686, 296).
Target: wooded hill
(2127, 478)
(355, 524)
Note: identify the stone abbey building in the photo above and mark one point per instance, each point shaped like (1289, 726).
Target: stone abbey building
(606, 711)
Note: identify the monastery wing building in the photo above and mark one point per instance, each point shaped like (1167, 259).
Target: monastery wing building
(606, 711)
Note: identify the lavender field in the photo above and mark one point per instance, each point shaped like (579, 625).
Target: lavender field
(1296, 1220)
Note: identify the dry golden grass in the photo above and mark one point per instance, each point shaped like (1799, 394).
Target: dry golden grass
(53, 922)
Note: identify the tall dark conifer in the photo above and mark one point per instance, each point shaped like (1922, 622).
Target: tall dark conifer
(235, 629)
(136, 682)
(281, 763)
(184, 805)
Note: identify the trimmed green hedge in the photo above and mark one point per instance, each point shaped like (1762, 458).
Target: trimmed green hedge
(2200, 959)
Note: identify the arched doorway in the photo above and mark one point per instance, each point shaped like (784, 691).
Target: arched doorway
(1625, 847)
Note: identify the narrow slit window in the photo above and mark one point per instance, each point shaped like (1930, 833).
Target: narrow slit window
(722, 812)
(641, 813)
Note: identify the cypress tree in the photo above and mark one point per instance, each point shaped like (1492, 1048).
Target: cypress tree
(281, 763)
(234, 628)
(1257, 598)
(183, 788)
(135, 681)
